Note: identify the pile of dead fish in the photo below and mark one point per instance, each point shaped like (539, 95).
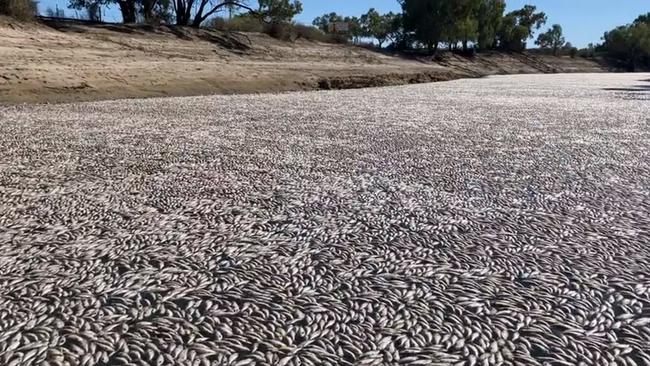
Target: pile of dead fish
(478, 222)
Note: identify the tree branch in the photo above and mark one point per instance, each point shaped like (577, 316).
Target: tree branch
(200, 18)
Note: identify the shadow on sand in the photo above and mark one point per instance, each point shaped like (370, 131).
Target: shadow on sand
(641, 88)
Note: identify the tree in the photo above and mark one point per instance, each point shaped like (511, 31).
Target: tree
(155, 11)
(278, 11)
(573, 51)
(629, 44)
(355, 27)
(380, 27)
(325, 21)
(195, 12)
(396, 27)
(489, 17)
(588, 52)
(128, 8)
(466, 30)
(371, 23)
(93, 8)
(55, 13)
(427, 20)
(518, 26)
(645, 18)
(464, 27)
(511, 36)
(529, 19)
(553, 38)
(231, 8)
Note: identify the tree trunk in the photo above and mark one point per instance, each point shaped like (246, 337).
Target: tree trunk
(631, 64)
(198, 18)
(127, 8)
(465, 45)
(184, 12)
(179, 10)
(435, 47)
(147, 10)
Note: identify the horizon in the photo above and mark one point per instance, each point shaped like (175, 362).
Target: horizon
(583, 21)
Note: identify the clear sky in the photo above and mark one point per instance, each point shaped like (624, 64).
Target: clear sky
(584, 21)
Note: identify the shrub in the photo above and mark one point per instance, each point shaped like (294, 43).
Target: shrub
(279, 30)
(242, 23)
(310, 33)
(337, 38)
(218, 23)
(282, 31)
(573, 52)
(20, 9)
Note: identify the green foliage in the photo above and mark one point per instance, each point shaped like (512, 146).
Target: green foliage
(155, 11)
(279, 10)
(553, 39)
(356, 29)
(381, 27)
(428, 20)
(518, 26)
(326, 22)
(630, 44)
(511, 35)
(238, 23)
(529, 19)
(465, 23)
(287, 31)
(464, 30)
(489, 16)
(128, 8)
(645, 18)
(588, 52)
(19, 9)
(310, 33)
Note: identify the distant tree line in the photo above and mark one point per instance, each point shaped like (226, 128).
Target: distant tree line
(421, 24)
(628, 45)
(382, 27)
(428, 24)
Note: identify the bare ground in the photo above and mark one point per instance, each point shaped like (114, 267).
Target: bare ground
(74, 62)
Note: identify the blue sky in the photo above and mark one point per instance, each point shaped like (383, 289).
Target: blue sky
(584, 21)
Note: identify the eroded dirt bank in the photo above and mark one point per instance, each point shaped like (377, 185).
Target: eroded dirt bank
(74, 62)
